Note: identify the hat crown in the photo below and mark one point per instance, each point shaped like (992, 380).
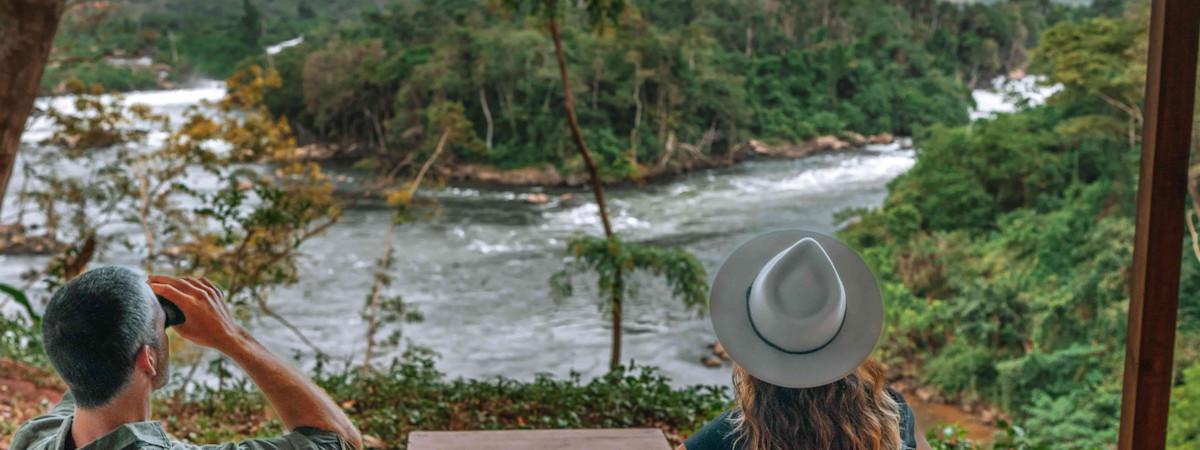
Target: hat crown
(797, 302)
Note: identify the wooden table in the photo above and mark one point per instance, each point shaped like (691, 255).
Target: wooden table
(595, 439)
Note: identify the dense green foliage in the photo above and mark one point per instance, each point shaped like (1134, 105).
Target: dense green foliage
(1005, 252)
(670, 82)
(679, 269)
(180, 38)
(410, 394)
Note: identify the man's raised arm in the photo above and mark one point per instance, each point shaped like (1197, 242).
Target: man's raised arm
(298, 401)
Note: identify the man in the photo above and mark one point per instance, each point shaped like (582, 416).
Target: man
(105, 334)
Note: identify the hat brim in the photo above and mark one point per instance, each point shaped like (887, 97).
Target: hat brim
(860, 332)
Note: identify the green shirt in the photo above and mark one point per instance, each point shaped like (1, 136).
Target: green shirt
(52, 431)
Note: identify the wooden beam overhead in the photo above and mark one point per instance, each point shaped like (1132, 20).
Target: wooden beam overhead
(1158, 242)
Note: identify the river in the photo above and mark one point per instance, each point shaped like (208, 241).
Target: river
(478, 268)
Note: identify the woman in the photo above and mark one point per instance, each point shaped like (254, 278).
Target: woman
(799, 312)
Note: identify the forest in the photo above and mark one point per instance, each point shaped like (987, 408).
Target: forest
(666, 87)
(1004, 253)
(1008, 245)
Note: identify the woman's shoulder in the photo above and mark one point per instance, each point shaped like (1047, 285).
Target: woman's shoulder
(717, 434)
(908, 421)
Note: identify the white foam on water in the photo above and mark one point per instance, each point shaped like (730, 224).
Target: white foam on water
(453, 192)
(1007, 96)
(487, 248)
(859, 169)
(837, 174)
(203, 90)
(586, 216)
(160, 101)
(275, 49)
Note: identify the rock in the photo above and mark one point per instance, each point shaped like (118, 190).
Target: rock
(806, 148)
(566, 197)
(989, 415)
(1016, 74)
(759, 147)
(855, 138)
(881, 139)
(313, 152)
(537, 198)
(16, 240)
(543, 176)
(711, 361)
(829, 142)
(924, 394)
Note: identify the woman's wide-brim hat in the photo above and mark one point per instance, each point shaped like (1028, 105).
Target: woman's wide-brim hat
(796, 308)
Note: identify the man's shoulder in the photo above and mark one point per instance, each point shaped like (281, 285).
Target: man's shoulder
(38, 433)
(303, 438)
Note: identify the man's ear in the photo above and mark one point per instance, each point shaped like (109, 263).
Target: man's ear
(146, 361)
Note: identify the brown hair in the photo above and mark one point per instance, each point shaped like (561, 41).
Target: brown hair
(853, 413)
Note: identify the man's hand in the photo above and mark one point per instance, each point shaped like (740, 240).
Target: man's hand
(298, 401)
(202, 303)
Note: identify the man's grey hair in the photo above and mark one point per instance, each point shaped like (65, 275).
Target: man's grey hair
(94, 327)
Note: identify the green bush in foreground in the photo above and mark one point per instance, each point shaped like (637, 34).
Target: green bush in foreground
(412, 395)
(954, 437)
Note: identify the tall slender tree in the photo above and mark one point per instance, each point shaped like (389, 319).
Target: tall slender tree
(593, 175)
(609, 258)
(251, 24)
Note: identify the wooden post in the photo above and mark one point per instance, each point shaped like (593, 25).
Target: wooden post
(1158, 242)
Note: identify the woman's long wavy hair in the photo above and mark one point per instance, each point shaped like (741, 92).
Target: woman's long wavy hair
(854, 413)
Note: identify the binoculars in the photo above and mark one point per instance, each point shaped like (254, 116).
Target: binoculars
(174, 315)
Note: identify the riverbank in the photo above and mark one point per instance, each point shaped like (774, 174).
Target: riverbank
(678, 160)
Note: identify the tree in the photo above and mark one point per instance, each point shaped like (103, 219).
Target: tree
(243, 230)
(1102, 58)
(28, 27)
(454, 129)
(251, 24)
(305, 11)
(611, 259)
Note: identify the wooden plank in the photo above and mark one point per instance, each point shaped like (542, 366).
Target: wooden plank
(1158, 242)
(597, 439)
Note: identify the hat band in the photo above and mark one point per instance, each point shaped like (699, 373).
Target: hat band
(781, 349)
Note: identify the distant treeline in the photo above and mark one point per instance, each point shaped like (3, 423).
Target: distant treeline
(126, 44)
(670, 80)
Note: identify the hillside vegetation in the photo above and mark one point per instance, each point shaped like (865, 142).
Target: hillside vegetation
(1006, 251)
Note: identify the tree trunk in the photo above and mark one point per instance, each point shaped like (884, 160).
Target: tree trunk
(637, 117)
(593, 174)
(749, 41)
(487, 115)
(573, 122)
(377, 299)
(618, 287)
(412, 190)
(28, 27)
(386, 262)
